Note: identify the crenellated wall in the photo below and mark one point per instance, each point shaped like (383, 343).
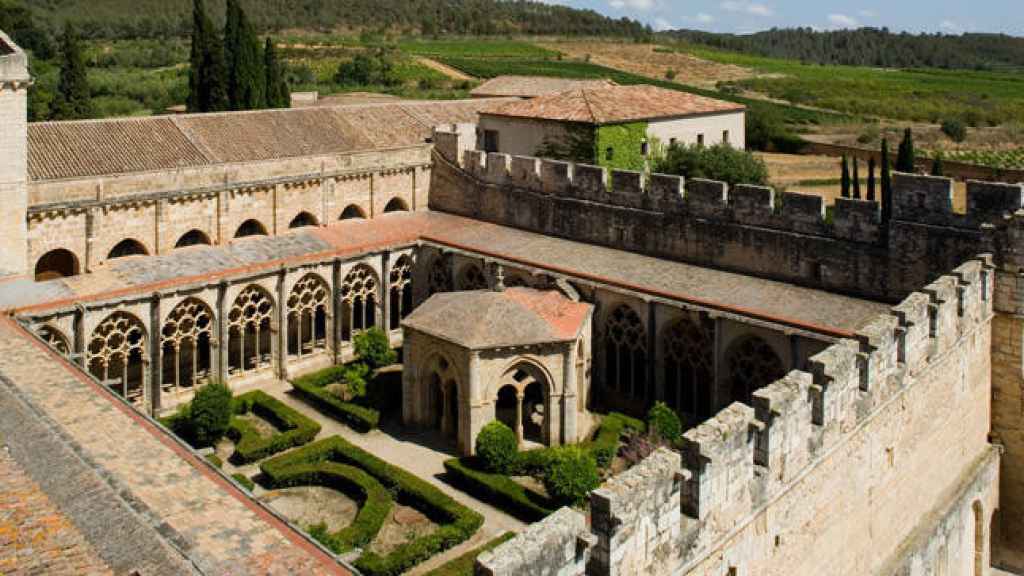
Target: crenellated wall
(875, 461)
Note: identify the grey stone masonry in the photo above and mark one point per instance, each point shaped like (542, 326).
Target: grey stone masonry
(559, 545)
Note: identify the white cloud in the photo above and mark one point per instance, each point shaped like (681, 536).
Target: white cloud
(949, 26)
(867, 13)
(843, 21)
(632, 4)
(755, 8)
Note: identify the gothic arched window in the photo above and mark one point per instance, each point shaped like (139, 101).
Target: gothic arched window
(626, 353)
(400, 286)
(689, 366)
(115, 355)
(249, 331)
(185, 341)
(358, 301)
(307, 316)
(751, 364)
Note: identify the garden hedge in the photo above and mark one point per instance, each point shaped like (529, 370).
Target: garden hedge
(503, 492)
(311, 387)
(250, 446)
(463, 565)
(244, 481)
(374, 500)
(456, 522)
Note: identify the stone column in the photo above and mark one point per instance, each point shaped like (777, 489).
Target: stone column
(467, 433)
(281, 337)
(519, 417)
(222, 335)
(335, 317)
(569, 396)
(446, 411)
(385, 293)
(155, 352)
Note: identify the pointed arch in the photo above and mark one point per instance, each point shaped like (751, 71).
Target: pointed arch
(625, 341)
(440, 275)
(531, 413)
(251, 227)
(689, 349)
(400, 287)
(303, 219)
(359, 295)
(751, 364)
(127, 247)
(55, 339)
(250, 343)
(352, 212)
(194, 237)
(115, 355)
(307, 316)
(186, 345)
(57, 263)
(396, 204)
(471, 277)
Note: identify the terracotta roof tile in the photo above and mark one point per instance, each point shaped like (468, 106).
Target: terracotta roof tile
(533, 86)
(613, 105)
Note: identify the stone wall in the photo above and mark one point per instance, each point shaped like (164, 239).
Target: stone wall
(14, 85)
(876, 461)
(88, 217)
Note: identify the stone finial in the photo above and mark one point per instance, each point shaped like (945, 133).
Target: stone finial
(499, 278)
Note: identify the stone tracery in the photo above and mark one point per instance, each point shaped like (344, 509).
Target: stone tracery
(55, 339)
(186, 339)
(400, 286)
(307, 316)
(249, 331)
(752, 364)
(689, 366)
(116, 353)
(626, 353)
(358, 295)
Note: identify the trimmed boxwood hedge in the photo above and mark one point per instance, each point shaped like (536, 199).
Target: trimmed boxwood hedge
(470, 475)
(374, 500)
(463, 565)
(497, 489)
(250, 446)
(311, 387)
(456, 522)
(244, 481)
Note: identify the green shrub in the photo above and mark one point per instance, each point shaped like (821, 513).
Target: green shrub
(605, 444)
(571, 476)
(464, 565)
(311, 388)
(670, 74)
(663, 422)
(372, 347)
(210, 414)
(497, 489)
(456, 522)
(250, 446)
(955, 129)
(244, 481)
(354, 378)
(719, 162)
(215, 460)
(497, 446)
(374, 500)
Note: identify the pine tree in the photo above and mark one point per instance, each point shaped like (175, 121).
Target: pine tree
(856, 180)
(886, 183)
(845, 180)
(871, 179)
(244, 61)
(275, 86)
(73, 100)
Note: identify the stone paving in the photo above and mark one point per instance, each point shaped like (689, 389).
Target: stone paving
(421, 452)
(197, 514)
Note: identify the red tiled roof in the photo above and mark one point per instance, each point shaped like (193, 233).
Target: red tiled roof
(613, 105)
(533, 86)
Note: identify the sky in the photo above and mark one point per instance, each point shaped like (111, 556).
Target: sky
(745, 16)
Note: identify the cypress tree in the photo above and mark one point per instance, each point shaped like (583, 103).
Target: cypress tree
(856, 179)
(197, 57)
(886, 183)
(937, 168)
(73, 100)
(871, 179)
(845, 180)
(244, 61)
(216, 74)
(275, 86)
(905, 156)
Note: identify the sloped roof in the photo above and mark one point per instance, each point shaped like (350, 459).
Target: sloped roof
(89, 148)
(489, 319)
(613, 105)
(533, 86)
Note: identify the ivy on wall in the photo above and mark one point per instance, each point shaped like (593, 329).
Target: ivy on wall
(620, 146)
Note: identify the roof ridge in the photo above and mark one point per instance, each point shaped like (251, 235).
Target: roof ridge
(590, 108)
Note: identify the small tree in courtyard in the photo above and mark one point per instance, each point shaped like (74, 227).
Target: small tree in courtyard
(663, 422)
(571, 475)
(210, 413)
(372, 347)
(497, 446)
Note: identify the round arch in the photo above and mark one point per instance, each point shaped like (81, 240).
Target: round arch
(193, 237)
(251, 227)
(352, 212)
(303, 219)
(751, 364)
(57, 263)
(127, 247)
(396, 204)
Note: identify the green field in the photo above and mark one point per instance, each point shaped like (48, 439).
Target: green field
(476, 49)
(1005, 159)
(922, 95)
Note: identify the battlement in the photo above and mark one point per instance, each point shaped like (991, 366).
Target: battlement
(916, 198)
(671, 508)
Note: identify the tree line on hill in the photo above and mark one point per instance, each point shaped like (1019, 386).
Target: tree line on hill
(870, 47)
(170, 18)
